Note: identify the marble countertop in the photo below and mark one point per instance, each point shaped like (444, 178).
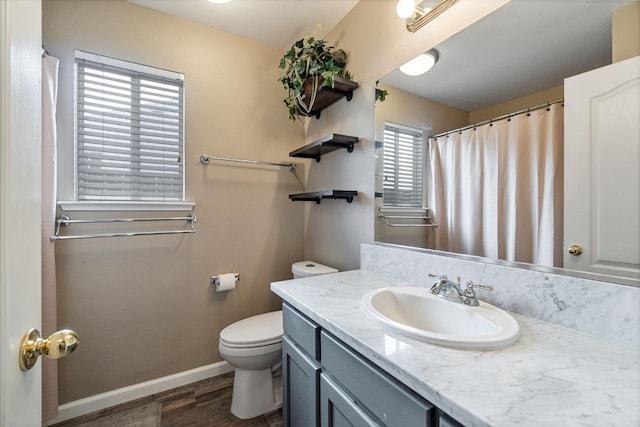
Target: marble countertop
(553, 376)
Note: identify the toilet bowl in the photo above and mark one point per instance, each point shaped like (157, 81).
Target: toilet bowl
(253, 346)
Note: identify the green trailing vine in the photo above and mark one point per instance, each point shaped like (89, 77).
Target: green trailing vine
(309, 65)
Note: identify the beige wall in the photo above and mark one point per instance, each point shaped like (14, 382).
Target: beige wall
(143, 306)
(517, 104)
(411, 110)
(626, 32)
(377, 43)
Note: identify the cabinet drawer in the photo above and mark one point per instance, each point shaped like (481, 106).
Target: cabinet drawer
(304, 332)
(388, 400)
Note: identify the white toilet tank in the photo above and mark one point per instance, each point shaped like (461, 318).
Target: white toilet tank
(309, 268)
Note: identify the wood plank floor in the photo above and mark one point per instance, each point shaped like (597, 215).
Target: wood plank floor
(202, 404)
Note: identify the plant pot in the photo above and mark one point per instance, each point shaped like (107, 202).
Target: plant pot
(309, 96)
(308, 86)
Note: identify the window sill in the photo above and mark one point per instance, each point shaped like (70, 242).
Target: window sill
(125, 206)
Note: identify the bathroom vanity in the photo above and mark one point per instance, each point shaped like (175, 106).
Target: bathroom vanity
(329, 384)
(340, 368)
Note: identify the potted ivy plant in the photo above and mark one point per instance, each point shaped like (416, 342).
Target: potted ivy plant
(309, 65)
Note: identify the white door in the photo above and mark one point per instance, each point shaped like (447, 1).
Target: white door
(602, 170)
(20, 111)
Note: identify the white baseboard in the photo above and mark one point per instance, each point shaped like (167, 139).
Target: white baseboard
(101, 401)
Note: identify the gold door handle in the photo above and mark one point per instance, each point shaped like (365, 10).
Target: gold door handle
(59, 344)
(575, 250)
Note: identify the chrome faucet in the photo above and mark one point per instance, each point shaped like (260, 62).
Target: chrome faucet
(447, 289)
(452, 291)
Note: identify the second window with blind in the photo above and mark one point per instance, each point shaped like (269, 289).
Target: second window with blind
(129, 131)
(403, 169)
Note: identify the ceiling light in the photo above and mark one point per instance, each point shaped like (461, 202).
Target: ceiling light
(420, 64)
(219, 1)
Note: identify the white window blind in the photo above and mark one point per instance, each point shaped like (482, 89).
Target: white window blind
(129, 131)
(403, 166)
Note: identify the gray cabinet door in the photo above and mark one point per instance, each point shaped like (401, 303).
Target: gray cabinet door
(338, 409)
(443, 420)
(301, 382)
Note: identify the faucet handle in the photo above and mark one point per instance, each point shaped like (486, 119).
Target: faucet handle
(469, 294)
(471, 285)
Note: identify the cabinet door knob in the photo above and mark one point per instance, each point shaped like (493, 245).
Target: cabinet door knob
(575, 250)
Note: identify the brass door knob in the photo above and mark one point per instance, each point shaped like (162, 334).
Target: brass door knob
(575, 250)
(59, 344)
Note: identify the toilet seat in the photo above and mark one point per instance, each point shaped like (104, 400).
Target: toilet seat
(256, 331)
(252, 345)
(228, 351)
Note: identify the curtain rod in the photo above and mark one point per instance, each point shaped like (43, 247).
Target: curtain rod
(506, 116)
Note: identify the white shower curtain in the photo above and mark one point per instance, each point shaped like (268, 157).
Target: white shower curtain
(497, 191)
(49, 321)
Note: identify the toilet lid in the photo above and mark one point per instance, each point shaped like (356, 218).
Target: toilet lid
(263, 328)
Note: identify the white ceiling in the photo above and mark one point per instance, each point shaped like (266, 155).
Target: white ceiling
(276, 22)
(523, 47)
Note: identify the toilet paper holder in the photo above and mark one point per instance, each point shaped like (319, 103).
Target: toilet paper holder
(215, 280)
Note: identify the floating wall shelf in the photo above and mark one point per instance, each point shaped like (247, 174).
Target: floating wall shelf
(327, 96)
(317, 196)
(325, 145)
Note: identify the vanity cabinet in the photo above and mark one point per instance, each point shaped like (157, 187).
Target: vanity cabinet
(326, 383)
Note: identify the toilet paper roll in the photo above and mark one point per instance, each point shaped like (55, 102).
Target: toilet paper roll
(226, 282)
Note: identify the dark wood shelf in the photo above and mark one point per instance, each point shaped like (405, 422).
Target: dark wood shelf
(327, 96)
(317, 196)
(325, 145)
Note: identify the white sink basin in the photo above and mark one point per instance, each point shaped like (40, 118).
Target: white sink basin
(418, 314)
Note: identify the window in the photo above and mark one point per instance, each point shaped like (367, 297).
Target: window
(403, 166)
(129, 131)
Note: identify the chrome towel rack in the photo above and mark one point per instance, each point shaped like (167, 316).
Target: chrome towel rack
(65, 221)
(205, 159)
(424, 217)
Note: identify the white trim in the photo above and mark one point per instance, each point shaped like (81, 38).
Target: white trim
(125, 206)
(101, 59)
(101, 401)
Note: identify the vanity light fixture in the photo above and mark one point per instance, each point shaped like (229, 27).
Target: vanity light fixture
(421, 63)
(406, 8)
(418, 15)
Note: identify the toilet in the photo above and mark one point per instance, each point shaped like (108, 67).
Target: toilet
(253, 346)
